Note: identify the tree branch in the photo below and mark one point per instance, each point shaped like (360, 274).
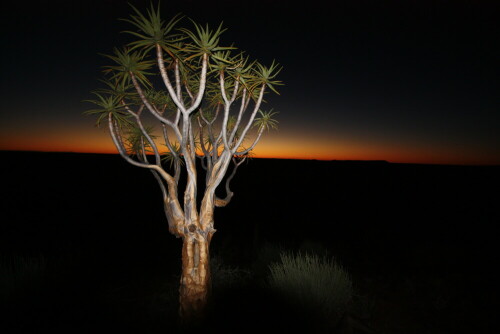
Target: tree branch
(203, 80)
(261, 130)
(163, 71)
(174, 208)
(152, 109)
(229, 194)
(240, 114)
(175, 155)
(145, 134)
(250, 121)
(206, 153)
(227, 106)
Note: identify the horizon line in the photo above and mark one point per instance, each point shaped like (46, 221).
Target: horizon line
(282, 158)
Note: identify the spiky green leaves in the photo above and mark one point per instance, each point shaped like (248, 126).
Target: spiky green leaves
(231, 79)
(265, 75)
(252, 75)
(160, 100)
(129, 62)
(153, 30)
(266, 120)
(110, 104)
(243, 69)
(208, 115)
(171, 157)
(222, 61)
(204, 41)
(120, 89)
(136, 142)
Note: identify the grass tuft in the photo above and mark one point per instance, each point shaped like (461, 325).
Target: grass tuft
(317, 285)
(21, 274)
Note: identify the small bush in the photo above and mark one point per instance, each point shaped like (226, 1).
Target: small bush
(318, 286)
(21, 274)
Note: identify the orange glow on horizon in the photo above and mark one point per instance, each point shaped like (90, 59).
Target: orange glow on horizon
(263, 152)
(274, 145)
(268, 154)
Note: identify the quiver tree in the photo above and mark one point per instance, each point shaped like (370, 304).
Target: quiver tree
(206, 100)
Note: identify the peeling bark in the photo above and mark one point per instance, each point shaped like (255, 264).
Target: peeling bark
(195, 284)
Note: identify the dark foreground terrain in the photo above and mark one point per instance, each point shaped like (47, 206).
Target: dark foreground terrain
(84, 245)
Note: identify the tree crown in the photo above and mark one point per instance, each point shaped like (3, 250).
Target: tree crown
(206, 97)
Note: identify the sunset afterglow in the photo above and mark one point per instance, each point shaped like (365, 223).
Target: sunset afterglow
(282, 144)
(384, 83)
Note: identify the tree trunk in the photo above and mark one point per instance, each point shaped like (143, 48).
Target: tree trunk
(195, 282)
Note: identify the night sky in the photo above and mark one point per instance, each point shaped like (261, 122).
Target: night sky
(403, 81)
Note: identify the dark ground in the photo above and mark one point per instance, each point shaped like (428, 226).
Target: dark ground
(418, 241)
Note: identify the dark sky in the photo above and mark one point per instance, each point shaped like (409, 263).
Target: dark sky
(404, 81)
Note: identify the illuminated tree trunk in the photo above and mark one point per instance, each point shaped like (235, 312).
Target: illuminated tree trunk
(195, 284)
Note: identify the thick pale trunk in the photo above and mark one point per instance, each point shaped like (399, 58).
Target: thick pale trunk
(195, 282)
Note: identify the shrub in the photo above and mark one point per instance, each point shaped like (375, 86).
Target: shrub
(21, 274)
(318, 286)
